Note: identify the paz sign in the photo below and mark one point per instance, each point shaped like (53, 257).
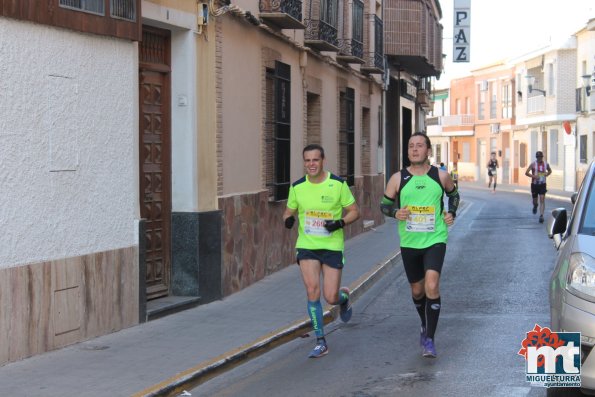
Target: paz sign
(462, 31)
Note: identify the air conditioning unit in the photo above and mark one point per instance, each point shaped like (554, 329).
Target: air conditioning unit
(483, 85)
(495, 128)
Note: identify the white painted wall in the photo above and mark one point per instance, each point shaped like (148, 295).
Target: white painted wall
(183, 123)
(68, 127)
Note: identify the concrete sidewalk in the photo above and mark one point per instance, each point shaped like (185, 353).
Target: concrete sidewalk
(165, 356)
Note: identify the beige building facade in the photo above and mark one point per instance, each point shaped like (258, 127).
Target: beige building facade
(541, 101)
(176, 200)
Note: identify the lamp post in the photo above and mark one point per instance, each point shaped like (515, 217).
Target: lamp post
(587, 83)
(530, 82)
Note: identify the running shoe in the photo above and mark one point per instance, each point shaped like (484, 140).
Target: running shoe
(422, 337)
(429, 349)
(321, 349)
(535, 209)
(540, 218)
(345, 311)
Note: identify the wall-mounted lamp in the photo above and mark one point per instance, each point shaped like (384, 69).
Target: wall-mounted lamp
(587, 84)
(530, 82)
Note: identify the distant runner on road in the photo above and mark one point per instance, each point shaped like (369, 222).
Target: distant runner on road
(320, 198)
(418, 192)
(538, 171)
(493, 170)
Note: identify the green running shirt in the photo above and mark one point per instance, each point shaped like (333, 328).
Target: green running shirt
(423, 196)
(316, 203)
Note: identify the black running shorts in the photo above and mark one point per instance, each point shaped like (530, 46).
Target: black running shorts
(330, 258)
(538, 189)
(418, 261)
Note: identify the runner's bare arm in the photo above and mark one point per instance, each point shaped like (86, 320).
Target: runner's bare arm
(351, 213)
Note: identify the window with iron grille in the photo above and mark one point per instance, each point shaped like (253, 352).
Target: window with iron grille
(120, 9)
(347, 136)
(124, 9)
(481, 105)
(358, 21)
(278, 131)
(365, 142)
(507, 101)
(329, 11)
(583, 148)
(493, 100)
(91, 6)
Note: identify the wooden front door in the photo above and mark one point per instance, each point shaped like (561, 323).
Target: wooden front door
(154, 156)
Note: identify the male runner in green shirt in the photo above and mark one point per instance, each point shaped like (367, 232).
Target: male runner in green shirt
(418, 191)
(319, 199)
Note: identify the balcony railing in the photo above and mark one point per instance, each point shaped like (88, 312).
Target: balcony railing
(535, 104)
(320, 35)
(374, 60)
(285, 14)
(351, 51)
(457, 120)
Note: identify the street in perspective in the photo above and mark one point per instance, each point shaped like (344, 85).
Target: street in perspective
(495, 289)
(342, 198)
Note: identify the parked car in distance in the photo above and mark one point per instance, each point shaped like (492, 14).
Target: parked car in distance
(572, 285)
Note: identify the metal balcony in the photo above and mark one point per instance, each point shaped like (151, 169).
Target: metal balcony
(283, 14)
(374, 58)
(320, 35)
(351, 51)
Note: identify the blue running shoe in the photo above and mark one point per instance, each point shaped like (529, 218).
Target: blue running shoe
(422, 337)
(346, 310)
(321, 349)
(429, 349)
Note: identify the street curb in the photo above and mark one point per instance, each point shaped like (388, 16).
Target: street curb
(204, 371)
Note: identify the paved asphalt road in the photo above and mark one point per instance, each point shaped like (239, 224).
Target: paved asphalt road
(494, 290)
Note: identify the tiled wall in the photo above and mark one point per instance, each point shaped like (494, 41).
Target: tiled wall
(255, 242)
(48, 305)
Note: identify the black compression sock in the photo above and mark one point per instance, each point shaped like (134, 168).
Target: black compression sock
(432, 314)
(420, 305)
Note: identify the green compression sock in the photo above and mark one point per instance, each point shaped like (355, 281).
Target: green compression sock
(343, 297)
(315, 313)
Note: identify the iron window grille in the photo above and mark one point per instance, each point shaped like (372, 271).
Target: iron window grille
(278, 149)
(90, 6)
(124, 9)
(347, 136)
(120, 9)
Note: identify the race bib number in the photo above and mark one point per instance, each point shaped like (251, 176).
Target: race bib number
(314, 222)
(541, 177)
(421, 219)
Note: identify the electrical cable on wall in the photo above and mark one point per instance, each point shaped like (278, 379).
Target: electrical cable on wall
(205, 9)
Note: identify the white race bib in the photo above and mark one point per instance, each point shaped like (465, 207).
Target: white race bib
(421, 219)
(314, 222)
